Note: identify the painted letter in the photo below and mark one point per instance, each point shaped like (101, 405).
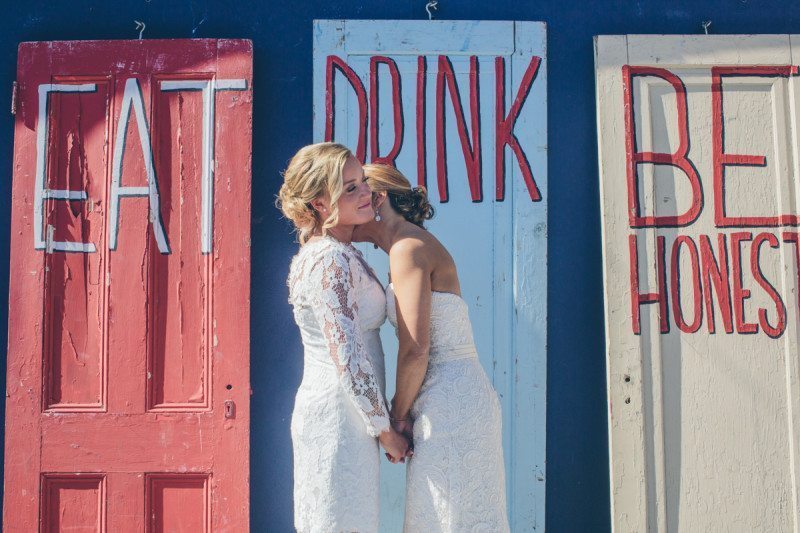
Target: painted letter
(472, 152)
(716, 273)
(422, 172)
(335, 63)
(504, 127)
(678, 159)
(638, 299)
(397, 107)
(755, 267)
(209, 89)
(133, 98)
(675, 287)
(794, 238)
(721, 159)
(740, 294)
(41, 194)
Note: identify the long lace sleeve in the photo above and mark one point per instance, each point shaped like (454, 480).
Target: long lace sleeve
(337, 313)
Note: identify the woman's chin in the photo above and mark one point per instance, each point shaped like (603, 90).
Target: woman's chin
(361, 231)
(366, 219)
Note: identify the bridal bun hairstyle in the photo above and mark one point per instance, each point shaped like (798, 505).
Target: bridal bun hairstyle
(315, 170)
(411, 202)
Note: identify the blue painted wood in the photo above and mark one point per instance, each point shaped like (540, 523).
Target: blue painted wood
(493, 242)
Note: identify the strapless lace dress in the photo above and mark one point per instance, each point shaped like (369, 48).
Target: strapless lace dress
(456, 480)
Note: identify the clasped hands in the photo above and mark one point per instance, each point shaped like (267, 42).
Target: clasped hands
(398, 440)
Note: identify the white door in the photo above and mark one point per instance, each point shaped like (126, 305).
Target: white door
(381, 88)
(699, 177)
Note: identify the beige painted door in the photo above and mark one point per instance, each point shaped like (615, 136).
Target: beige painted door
(698, 171)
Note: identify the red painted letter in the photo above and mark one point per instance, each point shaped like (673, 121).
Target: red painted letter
(716, 273)
(337, 63)
(397, 107)
(794, 237)
(504, 127)
(740, 294)
(472, 152)
(637, 299)
(721, 159)
(675, 286)
(422, 165)
(755, 267)
(678, 159)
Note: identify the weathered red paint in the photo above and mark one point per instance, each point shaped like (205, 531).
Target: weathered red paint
(120, 361)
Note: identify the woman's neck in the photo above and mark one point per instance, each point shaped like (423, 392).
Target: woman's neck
(386, 234)
(340, 233)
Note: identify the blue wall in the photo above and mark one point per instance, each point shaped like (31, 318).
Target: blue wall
(577, 470)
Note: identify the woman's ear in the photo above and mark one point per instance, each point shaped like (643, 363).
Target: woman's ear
(380, 197)
(319, 205)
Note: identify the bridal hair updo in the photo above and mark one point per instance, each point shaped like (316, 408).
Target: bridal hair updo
(314, 171)
(411, 202)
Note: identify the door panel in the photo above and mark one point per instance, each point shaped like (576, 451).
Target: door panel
(441, 100)
(129, 306)
(698, 161)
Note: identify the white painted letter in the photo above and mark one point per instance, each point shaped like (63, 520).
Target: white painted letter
(133, 97)
(41, 193)
(209, 88)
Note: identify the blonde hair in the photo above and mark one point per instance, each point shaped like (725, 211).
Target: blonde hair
(411, 202)
(315, 170)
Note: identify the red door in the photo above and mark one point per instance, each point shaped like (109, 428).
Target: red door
(127, 405)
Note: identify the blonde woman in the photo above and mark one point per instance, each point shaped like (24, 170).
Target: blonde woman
(339, 305)
(444, 402)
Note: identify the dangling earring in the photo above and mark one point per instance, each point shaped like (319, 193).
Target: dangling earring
(377, 216)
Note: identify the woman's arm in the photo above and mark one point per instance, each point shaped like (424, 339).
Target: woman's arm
(412, 287)
(337, 313)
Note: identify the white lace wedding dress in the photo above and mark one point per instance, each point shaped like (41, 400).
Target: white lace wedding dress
(339, 408)
(455, 482)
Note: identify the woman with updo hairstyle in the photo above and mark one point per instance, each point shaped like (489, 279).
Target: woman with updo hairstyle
(410, 202)
(444, 401)
(340, 413)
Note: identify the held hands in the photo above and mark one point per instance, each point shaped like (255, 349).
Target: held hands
(405, 427)
(396, 445)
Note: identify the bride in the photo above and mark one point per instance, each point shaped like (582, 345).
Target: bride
(444, 402)
(339, 305)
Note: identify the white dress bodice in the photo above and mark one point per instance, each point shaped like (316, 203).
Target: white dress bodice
(451, 330)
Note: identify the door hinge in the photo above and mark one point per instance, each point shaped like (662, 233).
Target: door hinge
(14, 98)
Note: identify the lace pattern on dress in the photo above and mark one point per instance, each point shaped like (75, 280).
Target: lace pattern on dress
(327, 281)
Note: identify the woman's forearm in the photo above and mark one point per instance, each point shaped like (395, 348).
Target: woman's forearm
(411, 369)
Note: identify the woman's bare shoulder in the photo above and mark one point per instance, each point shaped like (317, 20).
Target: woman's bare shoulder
(412, 241)
(418, 247)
